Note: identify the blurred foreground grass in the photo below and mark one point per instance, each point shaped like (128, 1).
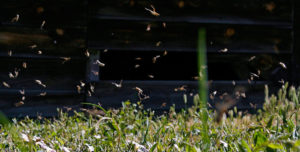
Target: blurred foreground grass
(132, 128)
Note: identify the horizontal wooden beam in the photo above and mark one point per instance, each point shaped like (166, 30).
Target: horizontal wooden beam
(201, 20)
(93, 45)
(38, 56)
(167, 93)
(34, 111)
(36, 92)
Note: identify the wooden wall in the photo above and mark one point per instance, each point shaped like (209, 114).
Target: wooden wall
(52, 37)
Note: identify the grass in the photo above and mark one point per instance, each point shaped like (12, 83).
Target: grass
(132, 128)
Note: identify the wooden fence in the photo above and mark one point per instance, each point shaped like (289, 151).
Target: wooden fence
(51, 49)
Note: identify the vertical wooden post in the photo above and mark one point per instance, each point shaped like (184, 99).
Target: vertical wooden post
(92, 76)
(295, 44)
(92, 69)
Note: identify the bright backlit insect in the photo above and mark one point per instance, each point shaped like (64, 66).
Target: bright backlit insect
(20, 103)
(224, 50)
(233, 83)
(78, 88)
(141, 95)
(118, 85)
(148, 27)
(137, 66)
(99, 63)
(158, 43)
(181, 88)
(252, 58)
(95, 73)
(82, 84)
(151, 76)
(165, 53)
(22, 92)
(138, 58)
(65, 59)
(281, 81)
(87, 53)
(153, 11)
(254, 75)
(154, 59)
(6, 84)
(33, 46)
(24, 65)
(92, 88)
(9, 53)
(43, 94)
(39, 82)
(164, 24)
(282, 65)
(11, 75)
(89, 93)
(16, 18)
(43, 24)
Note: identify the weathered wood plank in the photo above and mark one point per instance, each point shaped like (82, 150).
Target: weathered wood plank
(55, 12)
(230, 20)
(183, 66)
(92, 67)
(181, 37)
(57, 41)
(280, 9)
(34, 111)
(54, 74)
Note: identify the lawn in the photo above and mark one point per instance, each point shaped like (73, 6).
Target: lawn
(133, 128)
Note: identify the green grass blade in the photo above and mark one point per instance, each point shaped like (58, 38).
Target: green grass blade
(98, 106)
(3, 119)
(202, 82)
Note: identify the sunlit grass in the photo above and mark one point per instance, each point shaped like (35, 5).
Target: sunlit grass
(132, 128)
